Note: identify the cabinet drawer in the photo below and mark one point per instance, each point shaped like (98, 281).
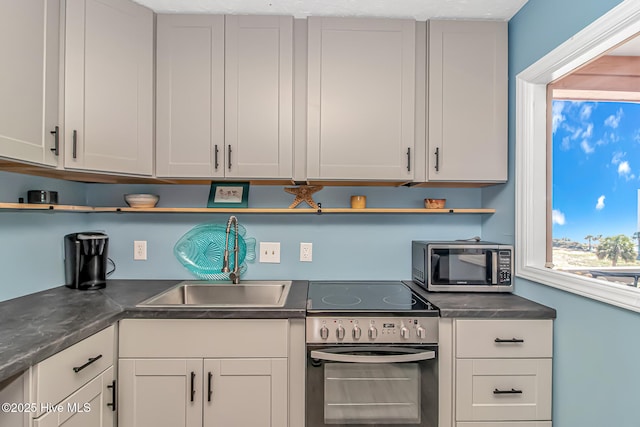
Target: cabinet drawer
(503, 389)
(504, 338)
(54, 378)
(203, 338)
(507, 424)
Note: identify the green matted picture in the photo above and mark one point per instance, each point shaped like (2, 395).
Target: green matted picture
(228, 195)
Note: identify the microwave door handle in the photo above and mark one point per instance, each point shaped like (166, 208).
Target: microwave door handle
(353, 358)
(494, 267)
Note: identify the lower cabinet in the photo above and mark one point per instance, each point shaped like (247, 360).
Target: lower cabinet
(197, 392)
(76, 387)
(15, 390)
(194, 373)
(87, 407)
(503, 372)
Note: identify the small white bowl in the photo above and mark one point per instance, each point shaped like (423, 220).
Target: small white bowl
(141, 200)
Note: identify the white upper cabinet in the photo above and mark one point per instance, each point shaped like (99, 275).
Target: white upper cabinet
(259, 97)
(361, 99)
(190, 96)
(224, 96)
(109, 87)
(29, 48)
(467, 101)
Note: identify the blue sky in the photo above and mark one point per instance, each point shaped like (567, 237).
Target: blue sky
(596, 168)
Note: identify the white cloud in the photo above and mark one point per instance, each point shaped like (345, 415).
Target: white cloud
(585, 112)
(588, 131)
(600, 204)
(558, 117)
(613, 121)
(588, 149)
(617, 157)
(577, 133)
(624, 168)
(557, 217)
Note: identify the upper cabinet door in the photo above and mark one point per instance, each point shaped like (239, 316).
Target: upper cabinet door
(361, 99)
(190, 96)
(259, 97)
(467, 127)
(224, 96)
(109, 86)
(29, 48)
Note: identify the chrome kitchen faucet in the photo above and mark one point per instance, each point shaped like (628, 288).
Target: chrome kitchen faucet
(235, 274)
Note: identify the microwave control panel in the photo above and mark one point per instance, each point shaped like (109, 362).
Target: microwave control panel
(504, 267)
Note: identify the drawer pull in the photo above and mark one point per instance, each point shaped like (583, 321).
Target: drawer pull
(512, 391)
(114, 396)
(91, 360)
(193, 385)
(512, 340)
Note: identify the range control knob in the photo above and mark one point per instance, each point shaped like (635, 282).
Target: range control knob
(357, 332)
(404, 332)
(373, 332)
(324, 332)
(422, 332)
(340, 332)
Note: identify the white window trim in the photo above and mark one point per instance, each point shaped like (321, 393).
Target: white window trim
(620, 23)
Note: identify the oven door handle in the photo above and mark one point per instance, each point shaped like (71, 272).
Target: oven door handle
(354, 358)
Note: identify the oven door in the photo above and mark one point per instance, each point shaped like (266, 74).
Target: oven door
(372, 386)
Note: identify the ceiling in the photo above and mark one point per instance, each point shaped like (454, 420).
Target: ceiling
(421, 10)
(629, 48)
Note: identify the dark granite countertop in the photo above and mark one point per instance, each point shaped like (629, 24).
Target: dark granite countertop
(484, 305)
(39, 325)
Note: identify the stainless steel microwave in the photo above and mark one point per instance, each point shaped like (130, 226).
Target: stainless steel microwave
(462, 266)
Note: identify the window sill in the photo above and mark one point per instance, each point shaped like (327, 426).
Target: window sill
(611, 293)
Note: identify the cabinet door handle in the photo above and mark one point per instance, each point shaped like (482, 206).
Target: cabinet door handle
(408, 159)
(209, 388)
(511, 340)
(56, 140)
(114, 395)
(77, 369)
(215, 158)
(75, 144)
(193, 385)
(229, 156)
(437, 153)
(512, 391)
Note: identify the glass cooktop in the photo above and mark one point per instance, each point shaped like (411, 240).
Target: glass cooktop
(364, 296)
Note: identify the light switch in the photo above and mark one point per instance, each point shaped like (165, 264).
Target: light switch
(270, 252)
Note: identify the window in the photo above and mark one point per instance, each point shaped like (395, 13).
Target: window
(595, 148)
(533, 123)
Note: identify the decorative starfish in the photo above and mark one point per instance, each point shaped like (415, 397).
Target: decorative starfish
(304, 193)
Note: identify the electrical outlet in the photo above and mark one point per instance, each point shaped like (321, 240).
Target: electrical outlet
(306, 252)
(270, 252)
(140, 250)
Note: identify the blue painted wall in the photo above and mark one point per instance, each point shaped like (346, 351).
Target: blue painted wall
(596, 373)
(31, 242)
(345, 246)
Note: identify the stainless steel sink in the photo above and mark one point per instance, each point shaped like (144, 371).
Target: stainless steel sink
(198, 294)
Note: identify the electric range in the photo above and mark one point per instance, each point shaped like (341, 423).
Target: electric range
(372, 355)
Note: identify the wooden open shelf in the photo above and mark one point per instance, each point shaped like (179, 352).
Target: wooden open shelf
(72, 208)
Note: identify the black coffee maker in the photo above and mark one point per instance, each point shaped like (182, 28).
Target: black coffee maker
(85, 260)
